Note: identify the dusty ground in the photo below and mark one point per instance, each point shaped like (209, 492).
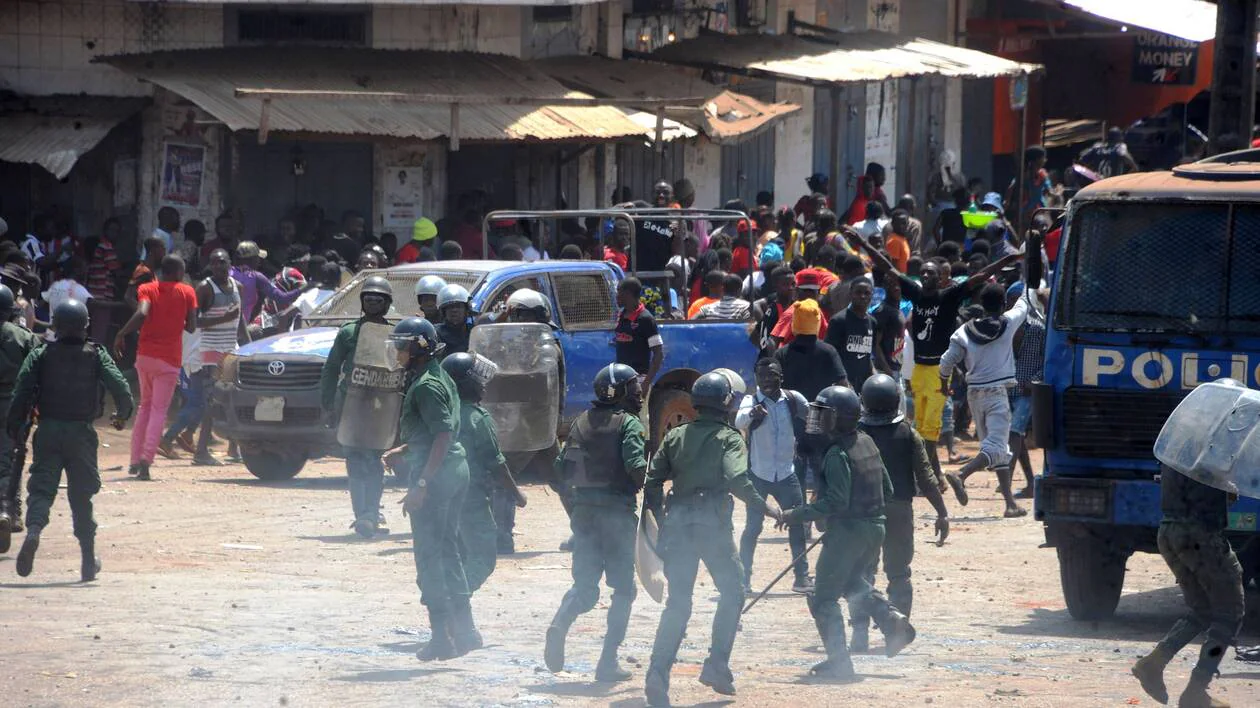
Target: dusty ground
(219, 589)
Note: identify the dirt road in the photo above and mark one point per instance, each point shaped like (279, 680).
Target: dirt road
(219, 589)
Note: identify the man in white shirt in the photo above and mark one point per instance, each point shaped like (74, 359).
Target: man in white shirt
(984, 345)
(873, 226)
(168, 226)
(771, 416)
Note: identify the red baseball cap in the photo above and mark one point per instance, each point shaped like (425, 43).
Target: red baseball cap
(809, 278)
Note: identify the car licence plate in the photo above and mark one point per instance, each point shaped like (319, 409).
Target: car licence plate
(269, 409)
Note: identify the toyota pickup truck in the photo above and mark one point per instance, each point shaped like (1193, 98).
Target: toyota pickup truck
(268, 399)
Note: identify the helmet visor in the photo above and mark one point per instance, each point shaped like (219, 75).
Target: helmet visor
(820, 420)
(483, 370)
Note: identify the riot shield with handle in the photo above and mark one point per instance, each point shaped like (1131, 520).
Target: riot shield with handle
(374, 395)
(1213, 436)
(524, 397)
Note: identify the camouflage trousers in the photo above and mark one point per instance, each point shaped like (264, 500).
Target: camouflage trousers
(1210, 579)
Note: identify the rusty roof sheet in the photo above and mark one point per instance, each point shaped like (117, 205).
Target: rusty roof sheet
(210, 78)
(725, 116)
(840, 58)
(55, 131)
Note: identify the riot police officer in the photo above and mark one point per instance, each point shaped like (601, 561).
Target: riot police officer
(523, 306)
(603, 464)
(453, 323)
(430, 428)
(368, 432)
(1193, 543)
(16, 342)
(487, 468)
(63, 379)
(853, 488)
(905, 458)
(707, 461)
(427, 290)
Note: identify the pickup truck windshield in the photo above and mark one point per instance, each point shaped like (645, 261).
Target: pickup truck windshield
(1173, 267)
(344, 304)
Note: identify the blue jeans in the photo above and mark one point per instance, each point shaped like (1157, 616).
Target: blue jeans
(195, 388)
(787, 492)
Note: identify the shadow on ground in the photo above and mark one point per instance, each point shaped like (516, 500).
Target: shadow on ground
(391, 675)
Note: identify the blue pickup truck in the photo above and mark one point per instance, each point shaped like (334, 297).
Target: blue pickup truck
(267, 398)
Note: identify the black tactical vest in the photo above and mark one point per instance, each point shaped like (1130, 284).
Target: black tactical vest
(866, 498)
(1184, 499)
(896, 447)
(593, 452)
(69, 382)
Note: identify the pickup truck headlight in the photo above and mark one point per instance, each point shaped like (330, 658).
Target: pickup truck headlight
(228, 368)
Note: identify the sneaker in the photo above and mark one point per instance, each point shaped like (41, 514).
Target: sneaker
(803, 585)
(133, 470)
(165, 450)
(206, 460)
(1025, 493)
(142, 472)
(366, 528)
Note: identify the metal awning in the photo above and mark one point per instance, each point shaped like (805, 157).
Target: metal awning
(724, 116)
(55, 131)
(403, 94)
(1193, 20)
(839, 58)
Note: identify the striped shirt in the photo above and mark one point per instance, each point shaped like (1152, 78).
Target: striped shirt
(728, 308)
(101, 271)
(217, 340)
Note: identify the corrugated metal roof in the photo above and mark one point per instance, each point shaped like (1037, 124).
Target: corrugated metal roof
(843, 57)
(55, 131)
(1193, 20)
(726, 116)
(210, 78)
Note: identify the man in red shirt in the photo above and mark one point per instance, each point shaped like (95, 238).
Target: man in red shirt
(167, 309)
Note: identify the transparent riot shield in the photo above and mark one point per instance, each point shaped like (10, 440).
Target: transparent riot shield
(374, 395)
(524, 397)
(1213, 437)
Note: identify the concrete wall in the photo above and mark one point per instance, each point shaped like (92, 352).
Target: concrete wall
(794, 144)
(425, 160)
(46, 46)
(160, 123)
(702, 164)
(495, 29)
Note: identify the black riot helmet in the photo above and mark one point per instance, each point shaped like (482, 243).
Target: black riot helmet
(835, 411)
(471, 373)
(613, 383)
(713, 392)
(69, 320)
(6, 302)
(881, 401)
(417, 336)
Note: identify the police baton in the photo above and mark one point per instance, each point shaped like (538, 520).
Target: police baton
(784, 572)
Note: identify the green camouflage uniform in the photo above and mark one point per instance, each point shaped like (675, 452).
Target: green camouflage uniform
(477, 532)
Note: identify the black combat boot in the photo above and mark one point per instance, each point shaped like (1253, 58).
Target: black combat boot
(91, 565)
(838, 666)
(1196, 695)
(716, 674)
(26, 556)
(861, 642)
(618, 618)
(16, 522)
(463, 629)
(656, 685)
(1149, 670)
(6, 525)
(440, 646)
(553, 651)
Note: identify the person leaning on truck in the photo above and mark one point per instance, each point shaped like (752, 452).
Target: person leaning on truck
(638, 341)
(364, 467)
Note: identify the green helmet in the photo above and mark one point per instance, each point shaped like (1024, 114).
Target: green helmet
(713, 391)
(613, 382)
(835, 411)
(470, 372)
(881, 401)
(70, 319)
(7, 300)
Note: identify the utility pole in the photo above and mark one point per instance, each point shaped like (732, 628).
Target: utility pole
(1233, 105)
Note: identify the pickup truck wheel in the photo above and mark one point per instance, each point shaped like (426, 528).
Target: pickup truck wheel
(1092, 575)
(669, 409)
(272, 466)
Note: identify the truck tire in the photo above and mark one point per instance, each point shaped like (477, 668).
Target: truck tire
(272, 466)
(1092, 575)
(669, 409)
